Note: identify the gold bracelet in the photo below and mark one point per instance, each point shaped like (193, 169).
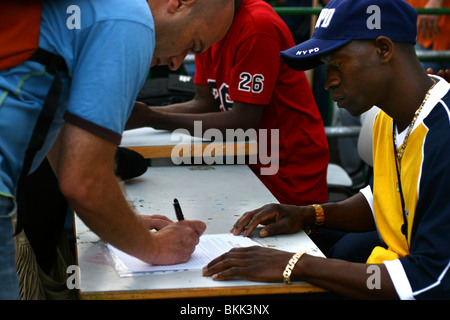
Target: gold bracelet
(319, 220)
(290, 266)
(320, 215)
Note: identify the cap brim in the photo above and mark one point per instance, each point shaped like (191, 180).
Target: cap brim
(307, 55)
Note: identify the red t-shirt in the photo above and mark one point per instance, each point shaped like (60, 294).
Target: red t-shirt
(245, 66)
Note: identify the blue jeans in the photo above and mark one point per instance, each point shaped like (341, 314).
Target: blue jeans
(9, 282)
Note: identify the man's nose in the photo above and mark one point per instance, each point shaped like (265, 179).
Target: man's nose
(331, 81)
(176, 61)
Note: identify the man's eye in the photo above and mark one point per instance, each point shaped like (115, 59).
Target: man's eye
(335, 66)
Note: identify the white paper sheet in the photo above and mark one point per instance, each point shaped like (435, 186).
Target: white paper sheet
(210, 247)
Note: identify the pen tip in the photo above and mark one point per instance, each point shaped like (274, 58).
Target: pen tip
(175, 200)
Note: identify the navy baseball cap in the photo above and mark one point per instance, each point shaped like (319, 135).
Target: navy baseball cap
(342, 21)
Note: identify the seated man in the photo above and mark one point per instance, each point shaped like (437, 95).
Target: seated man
(241, 83)
(368, 48)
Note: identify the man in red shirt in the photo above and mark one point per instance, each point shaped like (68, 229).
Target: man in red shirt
(241, 83)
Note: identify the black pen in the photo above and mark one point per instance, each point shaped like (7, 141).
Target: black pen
(178, 211)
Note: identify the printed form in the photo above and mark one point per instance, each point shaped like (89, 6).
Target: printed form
(210, 247)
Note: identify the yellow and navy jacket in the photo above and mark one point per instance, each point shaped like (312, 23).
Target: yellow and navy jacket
(417, 260)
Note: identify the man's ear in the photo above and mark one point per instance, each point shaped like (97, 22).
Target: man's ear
(175, 5)
(385, 48)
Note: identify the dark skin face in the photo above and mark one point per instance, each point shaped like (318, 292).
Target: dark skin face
(352, 72)
(366, 73)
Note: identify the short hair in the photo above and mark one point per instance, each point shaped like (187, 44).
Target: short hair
(203, 8)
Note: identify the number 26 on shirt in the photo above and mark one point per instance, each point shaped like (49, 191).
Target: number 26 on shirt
(251, 83)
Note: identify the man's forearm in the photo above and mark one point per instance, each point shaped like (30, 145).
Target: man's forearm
(192, 106)
(104, 209)
(350, 215)
(191, 122)
(355, 280)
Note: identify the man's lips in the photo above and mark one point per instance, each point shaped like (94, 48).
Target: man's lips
(338, 99)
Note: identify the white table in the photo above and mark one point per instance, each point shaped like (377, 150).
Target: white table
(152, 143)
(217, 195)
